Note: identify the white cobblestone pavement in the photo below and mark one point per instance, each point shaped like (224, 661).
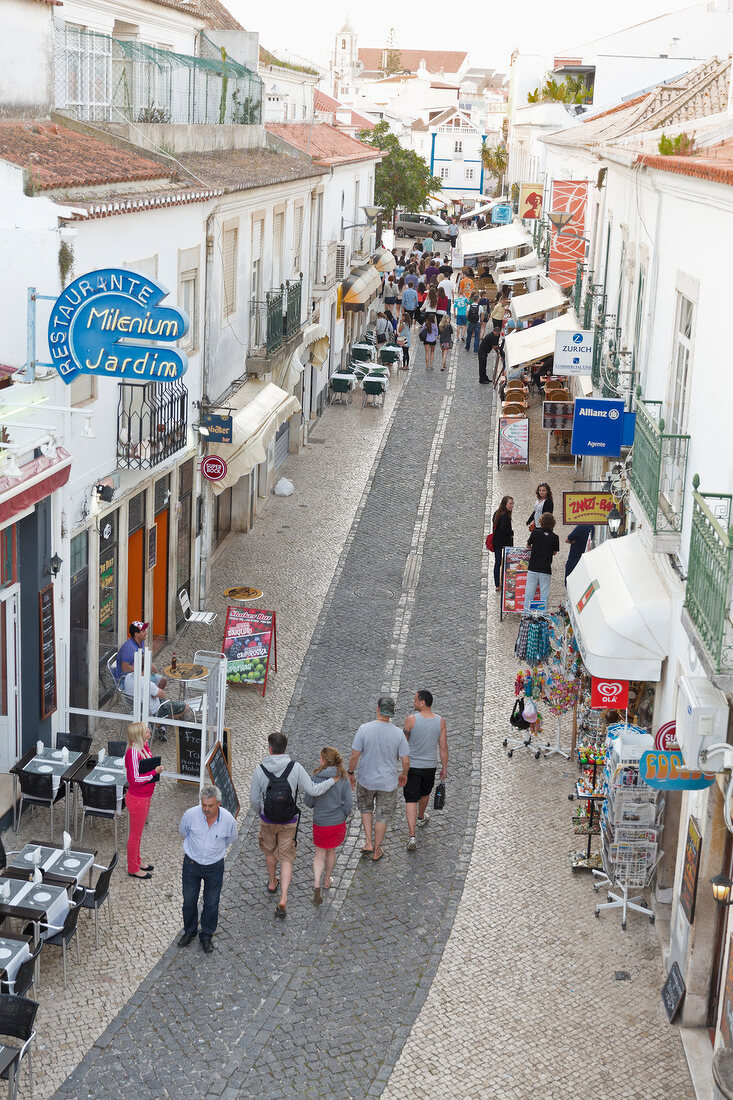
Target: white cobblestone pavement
(521, 999)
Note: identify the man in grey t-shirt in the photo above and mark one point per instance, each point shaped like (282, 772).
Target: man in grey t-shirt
(427, 736)
(379, 748)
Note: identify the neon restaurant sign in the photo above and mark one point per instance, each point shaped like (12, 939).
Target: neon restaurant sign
(110, 323)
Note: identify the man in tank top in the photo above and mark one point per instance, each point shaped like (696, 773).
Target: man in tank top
(427, 736)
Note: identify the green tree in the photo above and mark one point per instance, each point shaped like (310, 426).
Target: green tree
(392, 63)
(572, 89)
(402, 178)
(495, 160)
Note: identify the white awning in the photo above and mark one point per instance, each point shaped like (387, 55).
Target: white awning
(539, 301)
(481, 209)
(264, 407)
(515, 276)
(482, 241)
(384, 261)
(530, 259)
(621, 610)
(313, 350)
(536, 343)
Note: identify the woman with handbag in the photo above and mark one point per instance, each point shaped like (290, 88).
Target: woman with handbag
(502, 534)
(139, 793)
(429, 336)
(445, 331)
(544, 503)
(403, 339)
(330, 814)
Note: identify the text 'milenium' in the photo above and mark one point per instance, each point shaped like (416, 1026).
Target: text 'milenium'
(110, 323)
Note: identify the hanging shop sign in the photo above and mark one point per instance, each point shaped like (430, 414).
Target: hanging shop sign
(48, 651)
(219, 427)
(573, 352)
(607, 693)
(586, 507)
(530, 200)
(249, 642)
(690, 868)
(513, 442)
(557, 415)
(514, 578)
(666, 737)
(110, 323)
(667, 771)
(597, 426)
(502, 213)
(214, 468)
(567, 244)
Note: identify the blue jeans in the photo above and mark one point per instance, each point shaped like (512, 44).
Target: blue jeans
(473, 330)
(212, 876)
(533, 579)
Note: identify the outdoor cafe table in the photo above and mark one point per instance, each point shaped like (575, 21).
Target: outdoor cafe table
(242, 593)
(37, 902)
(49, 762)
(58, 867)
(344, 377)
(186, 673)
(14, 950)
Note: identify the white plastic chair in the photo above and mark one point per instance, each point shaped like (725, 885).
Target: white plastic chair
(203, 618)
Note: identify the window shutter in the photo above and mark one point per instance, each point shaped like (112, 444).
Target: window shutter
(297, 235)
(229, 250)
(257, 240)
(341, 259)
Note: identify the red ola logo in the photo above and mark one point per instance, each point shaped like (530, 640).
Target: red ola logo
(609, 693)
(214, 468)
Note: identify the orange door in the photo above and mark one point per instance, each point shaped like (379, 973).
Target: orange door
(135, 576)
(160, 577)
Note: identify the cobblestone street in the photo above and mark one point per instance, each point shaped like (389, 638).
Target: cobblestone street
(471, 968)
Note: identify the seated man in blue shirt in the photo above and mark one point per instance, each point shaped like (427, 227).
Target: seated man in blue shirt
(125, 665)
(207, 832)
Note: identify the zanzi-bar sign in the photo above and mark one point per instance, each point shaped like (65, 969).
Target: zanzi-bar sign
(111, 323)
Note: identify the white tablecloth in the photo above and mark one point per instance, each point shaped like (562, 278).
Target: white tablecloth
(13, 965)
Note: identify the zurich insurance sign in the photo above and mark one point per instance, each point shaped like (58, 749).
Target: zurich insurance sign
(111, 324)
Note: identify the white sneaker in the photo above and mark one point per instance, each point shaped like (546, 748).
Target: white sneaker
(423, 820)
(412, 844)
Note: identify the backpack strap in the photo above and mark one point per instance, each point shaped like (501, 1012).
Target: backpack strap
(268, 774)
(286, 773)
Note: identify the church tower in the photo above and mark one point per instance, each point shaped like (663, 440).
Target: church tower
(345, 59)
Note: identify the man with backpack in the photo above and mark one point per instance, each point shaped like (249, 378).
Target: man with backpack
(473, 323)
(274, 794)
(378, 749)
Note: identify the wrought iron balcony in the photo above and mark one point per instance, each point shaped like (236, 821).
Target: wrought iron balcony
(152, 423)
(659, 470)
(708, 594)
(276, 320)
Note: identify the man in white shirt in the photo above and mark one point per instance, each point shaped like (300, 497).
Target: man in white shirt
(449, 290)
(207, 830)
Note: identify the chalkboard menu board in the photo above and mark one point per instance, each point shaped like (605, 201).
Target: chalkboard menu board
(673, 992)
(189, 751)
(222, 778)
(48, 651)
(690, 869)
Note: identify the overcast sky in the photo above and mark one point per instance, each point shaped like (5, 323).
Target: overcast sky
(488, 32)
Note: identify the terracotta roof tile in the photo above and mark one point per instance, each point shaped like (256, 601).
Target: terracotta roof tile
(714, 163)
(57, 157)
(362, 122)
(325, 144)
(448, 61)
(323, 102)
(242, 169)
(211, 12)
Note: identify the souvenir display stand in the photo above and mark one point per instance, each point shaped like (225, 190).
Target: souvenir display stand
(588, 794)
(630, 824)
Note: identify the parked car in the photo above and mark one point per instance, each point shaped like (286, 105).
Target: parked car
(419, 225)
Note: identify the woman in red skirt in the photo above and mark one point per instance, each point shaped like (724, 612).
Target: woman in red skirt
(330, 812)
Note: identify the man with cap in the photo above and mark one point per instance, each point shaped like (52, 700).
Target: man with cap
(125, 664)
(379, 749)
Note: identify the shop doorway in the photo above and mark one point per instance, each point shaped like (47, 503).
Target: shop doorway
(160, 575)
(136, 560)
(184, 539)
(79, 636)
(10, 748)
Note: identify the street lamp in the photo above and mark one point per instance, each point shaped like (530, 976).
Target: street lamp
(56, 562)
(371, 213)
(615, 519)
(722, 885)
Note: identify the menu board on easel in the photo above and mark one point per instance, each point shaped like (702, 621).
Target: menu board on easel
(47, 639)
(221, 777)
(250, 641)
(514, 579)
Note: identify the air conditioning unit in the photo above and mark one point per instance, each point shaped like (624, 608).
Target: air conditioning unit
(342, 260)
(702, 718)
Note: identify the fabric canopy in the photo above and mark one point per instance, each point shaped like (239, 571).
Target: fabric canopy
(621, 610)
(37, 480)
(500, 278)
(482, 241)
(548, 297)
(536, 343)
(264, 408)
(480, 209)
(384, 261)
(530, 259)
(313, 350)
(361, 287)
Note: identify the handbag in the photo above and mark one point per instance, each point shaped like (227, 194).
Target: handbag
(439, 796)
(422, 335)
(490, 541)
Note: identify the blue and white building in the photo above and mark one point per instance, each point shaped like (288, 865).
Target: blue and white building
(450, 143)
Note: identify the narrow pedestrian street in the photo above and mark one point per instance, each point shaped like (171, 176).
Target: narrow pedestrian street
(453, 970)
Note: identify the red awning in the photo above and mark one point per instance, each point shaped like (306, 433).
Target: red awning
(38, 479)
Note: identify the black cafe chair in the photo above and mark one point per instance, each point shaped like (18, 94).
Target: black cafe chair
(116, 748)
(64, 935)
(99, 801)
(25, 976)
(37, 790)
(95, 898)
(74, 742)
(17, 1017)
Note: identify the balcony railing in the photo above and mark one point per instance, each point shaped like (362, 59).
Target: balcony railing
(104, 79)
(659, 469)
(708, 594)
(276, 319)
(152, 423)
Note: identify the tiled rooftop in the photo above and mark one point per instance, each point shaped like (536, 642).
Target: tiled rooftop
(714, 163)
(325, 144)
(436, 61)
(242, 169)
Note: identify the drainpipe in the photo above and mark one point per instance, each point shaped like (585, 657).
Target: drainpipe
(204, 486)
(432, 153)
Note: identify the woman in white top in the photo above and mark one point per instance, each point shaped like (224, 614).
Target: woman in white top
(403, 339)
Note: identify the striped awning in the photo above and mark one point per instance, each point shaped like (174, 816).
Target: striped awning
(384, 261)
(361, 288)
